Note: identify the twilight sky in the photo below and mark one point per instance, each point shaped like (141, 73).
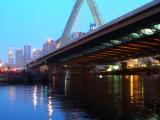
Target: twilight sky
(33, 21)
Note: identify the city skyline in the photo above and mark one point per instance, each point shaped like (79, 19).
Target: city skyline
(32, 22)
(27, 53)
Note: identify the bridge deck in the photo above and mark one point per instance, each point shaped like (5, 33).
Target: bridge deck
(122, 38)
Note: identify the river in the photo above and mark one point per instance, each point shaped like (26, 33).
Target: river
(83, 97)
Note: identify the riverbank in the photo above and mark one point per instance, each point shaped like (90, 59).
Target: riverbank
(24, 78)
(135, 71)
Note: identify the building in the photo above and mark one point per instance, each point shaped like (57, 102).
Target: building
(142, 62)
(10, 56)
(75, 35)
(19, 57)
(27, 53)
(48, 47)
(1, 63)
(36, 53)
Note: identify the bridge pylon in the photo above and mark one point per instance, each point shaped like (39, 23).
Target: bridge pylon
(94, 11)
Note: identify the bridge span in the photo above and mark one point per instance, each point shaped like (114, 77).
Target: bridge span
(133, 35)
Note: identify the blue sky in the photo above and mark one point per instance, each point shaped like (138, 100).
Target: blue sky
(33, 21)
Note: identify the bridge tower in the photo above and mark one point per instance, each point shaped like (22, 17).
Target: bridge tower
(94, 11)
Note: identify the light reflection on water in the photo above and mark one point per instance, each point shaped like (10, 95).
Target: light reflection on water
(83, 97)
(35, 96)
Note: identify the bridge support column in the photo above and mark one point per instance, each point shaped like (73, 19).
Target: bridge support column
(50, 72)
(56, 70)
(67, 81)
(67, 74)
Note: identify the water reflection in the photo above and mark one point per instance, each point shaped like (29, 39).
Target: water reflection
(35, 96)
(131, 88)
(116, 97)
(12, 96)
(83, 96)
(50, 108)
(41, 95)
(136, 88)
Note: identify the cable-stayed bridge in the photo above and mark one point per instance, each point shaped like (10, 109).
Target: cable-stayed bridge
(95, 13)
(132, 35)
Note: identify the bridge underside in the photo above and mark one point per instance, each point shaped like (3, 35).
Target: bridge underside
(138, 36)
(142, 47)
(140, 43)
(145, 41)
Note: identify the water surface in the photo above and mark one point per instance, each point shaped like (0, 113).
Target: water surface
(83, 97)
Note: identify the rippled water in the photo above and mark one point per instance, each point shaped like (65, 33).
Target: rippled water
(83, 97)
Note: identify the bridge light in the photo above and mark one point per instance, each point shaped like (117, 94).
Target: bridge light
(147, 31)
(157, 26)
(65, 66)
(34, 49)
(116, 67)
(101, 76)
(49, 40)
(135, 35)
(1, 64)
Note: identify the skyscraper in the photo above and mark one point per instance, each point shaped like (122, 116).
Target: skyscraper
(19, 57)
(36, 53)
(49, 46)
(27, 53)
(75, 35)
(10, 56)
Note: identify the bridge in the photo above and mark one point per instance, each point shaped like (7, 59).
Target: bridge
(135, 34)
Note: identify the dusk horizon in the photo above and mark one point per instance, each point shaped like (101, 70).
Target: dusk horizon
(33, 22)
